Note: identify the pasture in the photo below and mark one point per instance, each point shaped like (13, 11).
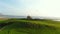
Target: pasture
(21, 26)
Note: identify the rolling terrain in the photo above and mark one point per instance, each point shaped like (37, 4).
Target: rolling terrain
(21, 26)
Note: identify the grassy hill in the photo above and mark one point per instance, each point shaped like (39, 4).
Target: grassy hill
(31, 27)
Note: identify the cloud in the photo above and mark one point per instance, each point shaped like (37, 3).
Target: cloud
(10, 10)
(50, 8)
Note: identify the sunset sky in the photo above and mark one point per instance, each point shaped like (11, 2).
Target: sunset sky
(46, 8)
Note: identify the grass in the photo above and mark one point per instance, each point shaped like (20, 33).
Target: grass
(31, 27)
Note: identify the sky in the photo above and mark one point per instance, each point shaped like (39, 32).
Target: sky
(46, 8)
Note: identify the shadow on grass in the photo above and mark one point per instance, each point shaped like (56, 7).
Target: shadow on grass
(20, 24)
(27, 27)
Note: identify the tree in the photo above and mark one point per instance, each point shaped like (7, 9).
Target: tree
(29, 17)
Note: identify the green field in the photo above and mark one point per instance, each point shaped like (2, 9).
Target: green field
(30, 27)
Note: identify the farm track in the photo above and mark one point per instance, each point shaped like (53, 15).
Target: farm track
(2, 25)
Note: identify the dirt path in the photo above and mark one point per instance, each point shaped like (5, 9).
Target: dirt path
(2, 29)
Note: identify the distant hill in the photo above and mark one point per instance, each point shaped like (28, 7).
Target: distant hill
(34, 17)
(11, 16)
